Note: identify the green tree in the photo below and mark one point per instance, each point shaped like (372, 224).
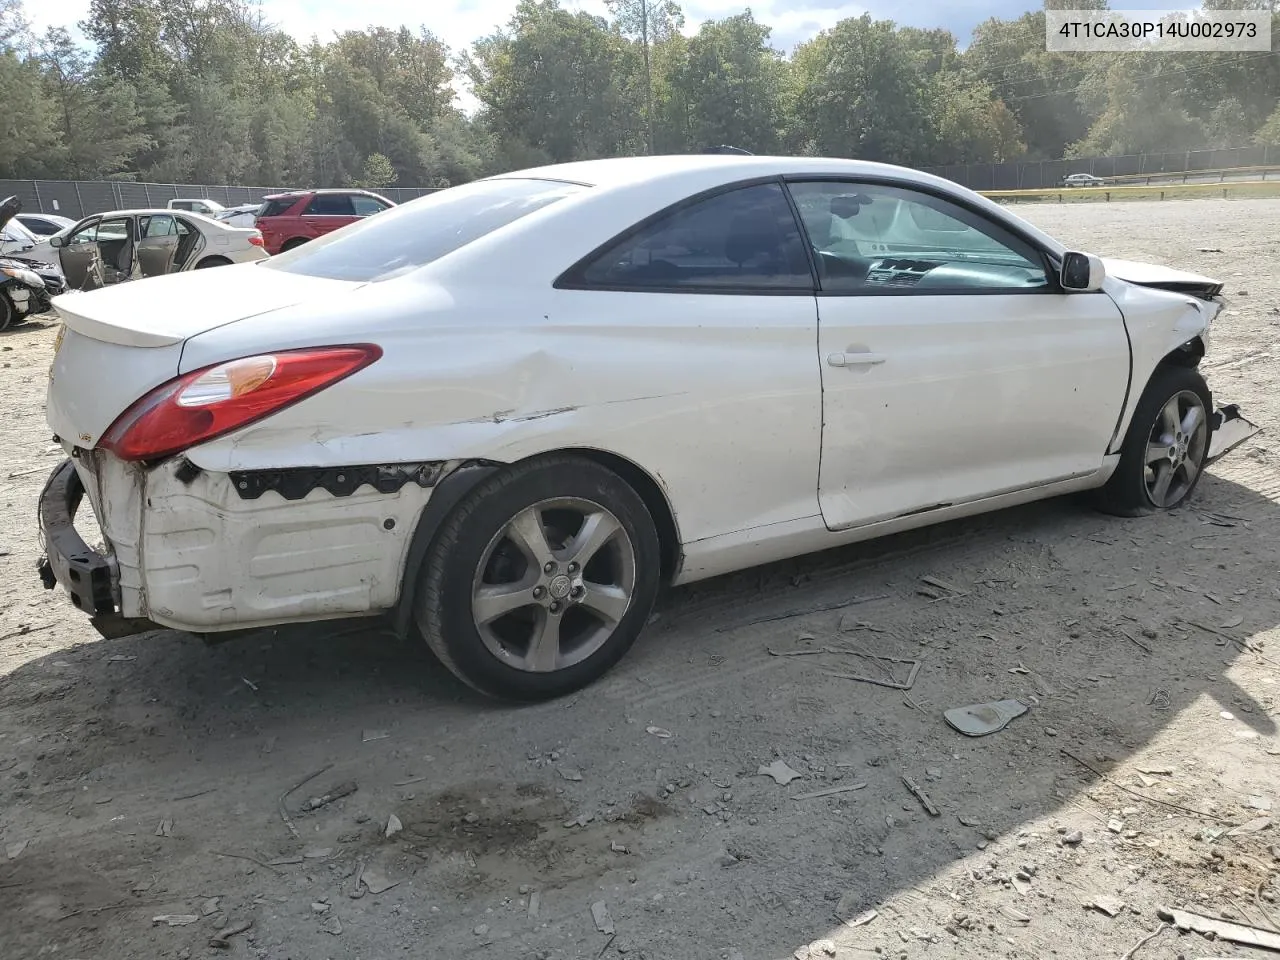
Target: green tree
(651, 23)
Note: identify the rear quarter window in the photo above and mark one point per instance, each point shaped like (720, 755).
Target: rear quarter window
(277, 208)
(414, 234)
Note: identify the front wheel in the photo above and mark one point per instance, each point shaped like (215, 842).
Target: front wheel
(8, 312)
(1164, 451)
(541, 579)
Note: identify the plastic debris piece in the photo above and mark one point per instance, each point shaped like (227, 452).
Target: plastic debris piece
(982, 719)
(780, 772)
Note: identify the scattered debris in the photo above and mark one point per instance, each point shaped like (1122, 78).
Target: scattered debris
(1244, 934)
(780, 772)
(923, 797)
(535, 903)
(1162, 771)
(616, 847)
(1129, 955)
(283, 861)
(891, 682)
(1073, 839)
(1015, 915)
(344, 789)
(23, 630)
(787, 615)
(600, 914)
(394, 826)
(411, 780)
(222, 939)
(1109, 905)
(581, 820)
(320, 908)
(176, 919)
(244, 856)
(250, 684)
(1134, 793)
(1253, 826)
(377, 881)
(658, 732)
(968, 821)
(165, 828)
(1260, 803)
(284, 813)
(568, 773)
(119, 658)
(371, 735)
(1233, 622)
(1115, 826)
(14, 850)
(937, 589)
(481, 929)
(981, 719)
(333, 926)
(829, 791)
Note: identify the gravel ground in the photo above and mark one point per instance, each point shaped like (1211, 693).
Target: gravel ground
(142, 778)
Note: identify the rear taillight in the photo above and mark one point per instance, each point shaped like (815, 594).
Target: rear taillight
(255, 239)
(208, 403)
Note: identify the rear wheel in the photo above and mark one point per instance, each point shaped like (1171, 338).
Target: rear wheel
(295, 242)
(213, 262)
(1164, 451)
(541, 579)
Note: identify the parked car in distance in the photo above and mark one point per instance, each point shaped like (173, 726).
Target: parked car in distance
(507, 412)
(108, 248)
(1082, 180)
(209, 208)
(288, 220)
(44, 224)
(244, 215)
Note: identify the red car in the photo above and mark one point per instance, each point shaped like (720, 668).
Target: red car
(290, 219)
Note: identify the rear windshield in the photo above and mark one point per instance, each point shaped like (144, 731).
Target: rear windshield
(274, 208)
(414, 234)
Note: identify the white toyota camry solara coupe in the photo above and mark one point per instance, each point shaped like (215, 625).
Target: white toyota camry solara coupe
(503, 415)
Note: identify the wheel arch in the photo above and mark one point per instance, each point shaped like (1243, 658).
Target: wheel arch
(212, 260)
(453, 488)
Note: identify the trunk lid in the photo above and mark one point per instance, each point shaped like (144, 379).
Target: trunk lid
(119, 342)
(1162, 278)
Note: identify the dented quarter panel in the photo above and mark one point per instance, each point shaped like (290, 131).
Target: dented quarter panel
(1159, 322)
(215, 561)
(717, 397)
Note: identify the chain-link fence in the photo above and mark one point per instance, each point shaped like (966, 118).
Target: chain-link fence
(1039, 174)
(80, 198)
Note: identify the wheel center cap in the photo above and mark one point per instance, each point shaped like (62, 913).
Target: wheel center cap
(559, 587)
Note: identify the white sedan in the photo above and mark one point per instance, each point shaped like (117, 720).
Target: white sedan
(109, 248)
(504, 414)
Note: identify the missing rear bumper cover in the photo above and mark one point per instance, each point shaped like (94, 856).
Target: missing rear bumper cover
(295, 483)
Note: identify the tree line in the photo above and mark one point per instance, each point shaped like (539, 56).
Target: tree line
(209, 91)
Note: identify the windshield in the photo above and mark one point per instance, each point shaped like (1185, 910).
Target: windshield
(414, 234)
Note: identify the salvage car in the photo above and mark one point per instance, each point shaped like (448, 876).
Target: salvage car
(504, 414)
(288, 220)
(108, 248)
(44, 224)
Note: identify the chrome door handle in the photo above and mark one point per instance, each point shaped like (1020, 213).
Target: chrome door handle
(855, 359)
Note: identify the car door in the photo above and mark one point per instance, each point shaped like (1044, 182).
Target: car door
(158, 244)
(80, 258)
(954, 367)
(327, 212)
(707, 309)
(366, 206)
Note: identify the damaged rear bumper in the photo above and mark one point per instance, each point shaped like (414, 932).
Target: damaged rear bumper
(1230, 429)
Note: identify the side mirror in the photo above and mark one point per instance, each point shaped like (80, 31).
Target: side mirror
(57, 241)
(1082, 273)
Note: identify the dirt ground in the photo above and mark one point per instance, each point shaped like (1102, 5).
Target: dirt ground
(146, 777)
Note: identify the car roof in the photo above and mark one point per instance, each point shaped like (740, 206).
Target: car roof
(322, 190)
(622, 171)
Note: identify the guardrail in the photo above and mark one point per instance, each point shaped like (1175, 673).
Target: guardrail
(1181, 176)
(1225, 189)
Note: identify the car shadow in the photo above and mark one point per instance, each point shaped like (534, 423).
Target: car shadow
(1109, 630)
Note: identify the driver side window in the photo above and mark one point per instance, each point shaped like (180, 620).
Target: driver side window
(872, 239)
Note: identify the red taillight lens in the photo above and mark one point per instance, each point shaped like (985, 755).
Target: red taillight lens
(208, 403)
(255, 239)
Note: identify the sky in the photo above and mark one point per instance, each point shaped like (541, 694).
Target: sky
(460, 22)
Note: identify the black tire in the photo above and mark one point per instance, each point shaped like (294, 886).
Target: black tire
(466, 539)
(208, 262)
(1126, 493)
(8, 312)
(293, 244)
